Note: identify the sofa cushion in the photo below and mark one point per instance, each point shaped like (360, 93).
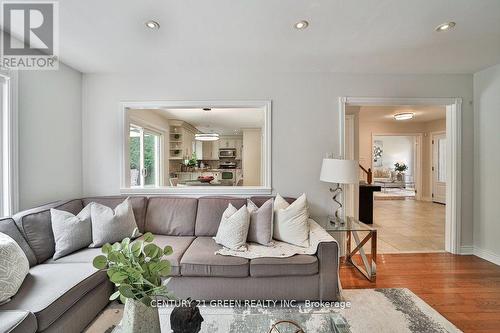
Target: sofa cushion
(200, 260)
(179, 244)
(86, 255)
(210, 211)
(17, 321)
(260, 200)
(171, 216)
(51, 289)
(8, 227)
(36, 226)
(138, 206)
(299, 264)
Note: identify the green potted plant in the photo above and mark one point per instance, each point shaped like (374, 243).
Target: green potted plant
(400, 167)
(136, 269)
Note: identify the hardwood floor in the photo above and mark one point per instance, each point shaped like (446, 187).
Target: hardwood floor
(464, 289)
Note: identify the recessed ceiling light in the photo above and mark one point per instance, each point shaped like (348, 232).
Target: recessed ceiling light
(445, 26)
(404, 116)
(301, 25)
(153, 25)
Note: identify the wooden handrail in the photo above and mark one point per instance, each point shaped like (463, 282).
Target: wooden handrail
(369, 174)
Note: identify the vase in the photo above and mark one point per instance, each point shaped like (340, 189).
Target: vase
(138, 318)
(399, 177)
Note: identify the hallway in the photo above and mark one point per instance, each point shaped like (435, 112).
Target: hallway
(409, 226)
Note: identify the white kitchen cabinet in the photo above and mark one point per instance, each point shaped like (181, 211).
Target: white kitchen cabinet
(215, 149)
(239, 147)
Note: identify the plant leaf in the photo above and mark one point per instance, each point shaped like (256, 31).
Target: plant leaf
(100, 262)
(106, 248)
(136, 248)
(168, 250)
(126, 291)
(151, 250)
(118, 277)
(114, 295)
(116, 246)
(125, 243)
(148, 237)
(164, 268)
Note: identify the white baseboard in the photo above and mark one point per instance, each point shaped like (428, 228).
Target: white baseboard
(487, 255)
(466, 249)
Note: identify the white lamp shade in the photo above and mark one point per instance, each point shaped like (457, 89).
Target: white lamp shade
(339, 171)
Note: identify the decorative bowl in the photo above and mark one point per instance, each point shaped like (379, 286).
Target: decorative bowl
(205, 179)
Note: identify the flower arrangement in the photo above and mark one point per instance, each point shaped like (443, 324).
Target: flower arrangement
(400, 167)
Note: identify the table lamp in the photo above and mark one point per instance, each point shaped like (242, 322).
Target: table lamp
(339, 172)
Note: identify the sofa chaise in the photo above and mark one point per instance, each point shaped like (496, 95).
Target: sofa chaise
(65, 295)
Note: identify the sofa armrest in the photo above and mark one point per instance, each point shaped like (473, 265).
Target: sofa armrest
(328, 260)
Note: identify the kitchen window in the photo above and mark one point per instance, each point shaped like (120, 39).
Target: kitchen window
(144, 156)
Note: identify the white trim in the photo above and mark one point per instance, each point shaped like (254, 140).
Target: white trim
(454, 154)
(265, 189)
(9, 141)
(487, 255)
(199, 191)
(467, 249)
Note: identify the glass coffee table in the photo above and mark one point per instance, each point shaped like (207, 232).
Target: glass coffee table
(353, 228)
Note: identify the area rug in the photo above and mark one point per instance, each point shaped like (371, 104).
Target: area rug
(361, 311)
(370, 310)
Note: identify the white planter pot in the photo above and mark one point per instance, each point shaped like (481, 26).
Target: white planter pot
(138, 318)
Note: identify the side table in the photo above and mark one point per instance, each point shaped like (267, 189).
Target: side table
(352, 228)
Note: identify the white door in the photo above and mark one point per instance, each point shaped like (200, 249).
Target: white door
(439, 168)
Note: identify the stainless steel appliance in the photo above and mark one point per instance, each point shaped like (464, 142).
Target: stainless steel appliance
(227, 153)
(227, 165)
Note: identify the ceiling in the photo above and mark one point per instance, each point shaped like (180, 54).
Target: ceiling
(224, 121)
(359, 36)
(386, 113)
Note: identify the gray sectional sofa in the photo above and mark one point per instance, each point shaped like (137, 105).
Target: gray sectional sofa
(66, 295)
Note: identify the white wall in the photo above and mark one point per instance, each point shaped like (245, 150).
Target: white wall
(304, 120)
(50, 135)
(397, 148)
(487, 164)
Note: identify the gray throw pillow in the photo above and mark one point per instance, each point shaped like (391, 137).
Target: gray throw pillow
(110, 226)
(261, 222)
(71, 233)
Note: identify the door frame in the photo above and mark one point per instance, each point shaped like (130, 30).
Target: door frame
(453, 224)
(432, 135)
(418, 161)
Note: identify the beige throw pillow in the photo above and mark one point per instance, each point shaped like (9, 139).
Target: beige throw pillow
(291, 221)
(233, 228)
(71, 232)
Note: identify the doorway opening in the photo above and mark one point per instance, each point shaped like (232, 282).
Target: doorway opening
(413, 163)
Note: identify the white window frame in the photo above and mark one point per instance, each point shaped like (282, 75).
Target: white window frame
(146, 128)
(9, 184)
(265, 189)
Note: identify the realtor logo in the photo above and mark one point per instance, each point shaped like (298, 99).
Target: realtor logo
(30, 33)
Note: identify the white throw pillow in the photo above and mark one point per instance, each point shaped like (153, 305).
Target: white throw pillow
(291, 221)
(110, 226)
(233, 228)
(71, 233)
(14, 267)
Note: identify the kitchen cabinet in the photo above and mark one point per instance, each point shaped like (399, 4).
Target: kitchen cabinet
(239, 148)
(210, 150)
